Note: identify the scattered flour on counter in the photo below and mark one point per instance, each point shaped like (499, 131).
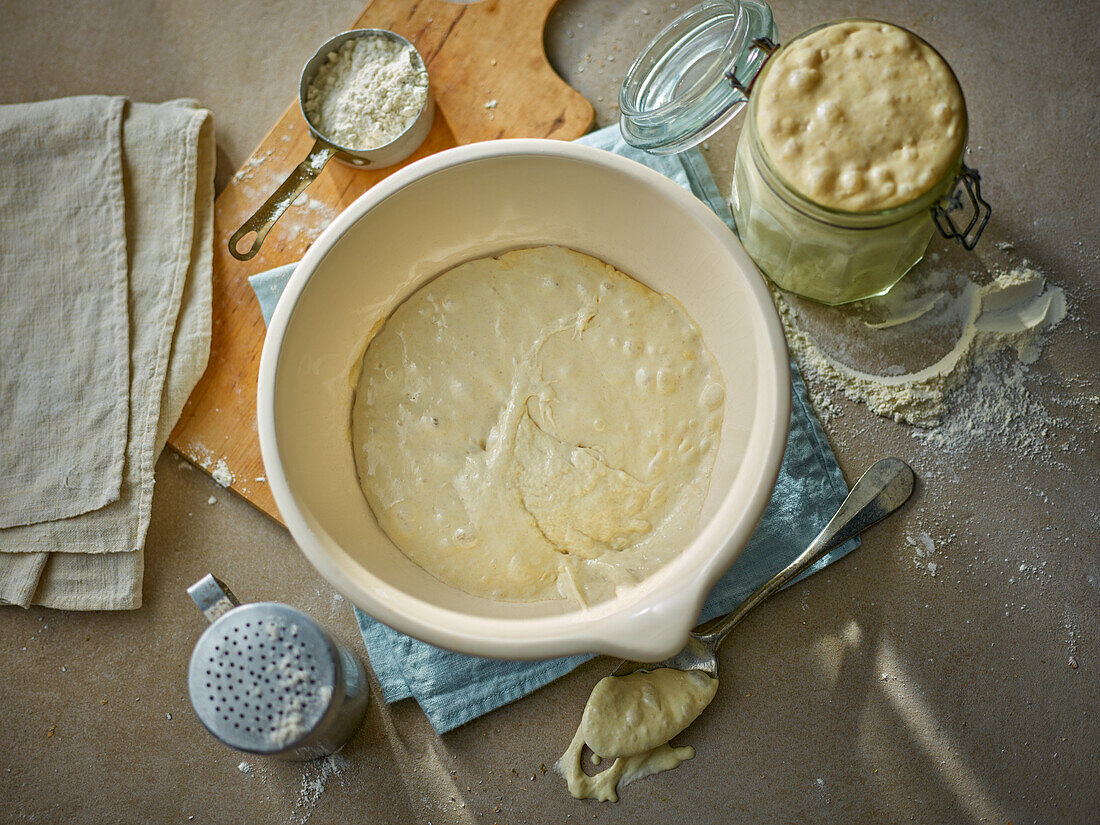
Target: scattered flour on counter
(924, 548)
(1074, 633)
(299, 784)
(1013, 311)
(1032, 571)
(222, 474)
(949, 354)
(315, 778)
(999, 406)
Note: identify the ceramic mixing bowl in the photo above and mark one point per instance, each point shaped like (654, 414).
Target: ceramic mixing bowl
(467, 203)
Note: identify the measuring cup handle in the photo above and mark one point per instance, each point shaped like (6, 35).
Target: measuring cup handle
(280, 200)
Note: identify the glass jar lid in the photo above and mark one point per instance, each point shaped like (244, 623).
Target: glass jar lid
(688, 82)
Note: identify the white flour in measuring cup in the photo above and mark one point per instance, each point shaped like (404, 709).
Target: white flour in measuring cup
(367, 93)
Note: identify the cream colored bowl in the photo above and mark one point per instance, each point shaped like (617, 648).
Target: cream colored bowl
(466, 203)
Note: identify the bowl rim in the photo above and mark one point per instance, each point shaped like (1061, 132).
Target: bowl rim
(651, 625)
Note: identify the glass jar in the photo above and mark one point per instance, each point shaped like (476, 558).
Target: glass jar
(678, 91)
(827, 254)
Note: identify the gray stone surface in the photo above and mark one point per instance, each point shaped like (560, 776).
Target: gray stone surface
(872, 692)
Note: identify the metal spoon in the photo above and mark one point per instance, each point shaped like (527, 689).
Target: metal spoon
(878, 493)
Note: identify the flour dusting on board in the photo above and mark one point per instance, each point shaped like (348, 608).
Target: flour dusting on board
(222, 474)
(306, 218)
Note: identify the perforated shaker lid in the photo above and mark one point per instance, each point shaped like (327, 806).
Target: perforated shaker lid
(684, 86)
(262, 677)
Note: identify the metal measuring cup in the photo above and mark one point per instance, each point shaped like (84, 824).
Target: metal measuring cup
(325, 149)
(265, 678)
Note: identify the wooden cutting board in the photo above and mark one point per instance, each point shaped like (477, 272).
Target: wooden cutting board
(490, 78)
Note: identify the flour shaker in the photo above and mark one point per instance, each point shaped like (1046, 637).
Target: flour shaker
(267, 679)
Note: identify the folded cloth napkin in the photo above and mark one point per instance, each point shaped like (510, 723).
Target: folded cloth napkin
(106, 249)
(452, 688)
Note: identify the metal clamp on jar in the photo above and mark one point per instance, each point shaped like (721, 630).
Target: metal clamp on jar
(843, 172)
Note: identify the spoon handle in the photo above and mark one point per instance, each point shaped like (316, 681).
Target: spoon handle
(881, 490)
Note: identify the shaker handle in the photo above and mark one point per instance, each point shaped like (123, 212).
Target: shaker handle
(212, 596)
(281, 199)
(971, 183)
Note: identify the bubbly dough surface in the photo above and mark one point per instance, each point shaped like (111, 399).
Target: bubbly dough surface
(860, 116)
(537, 425)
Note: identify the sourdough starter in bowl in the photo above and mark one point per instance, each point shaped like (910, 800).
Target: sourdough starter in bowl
(537, 425)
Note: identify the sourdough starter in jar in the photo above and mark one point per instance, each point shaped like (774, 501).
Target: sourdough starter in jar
(855, 129)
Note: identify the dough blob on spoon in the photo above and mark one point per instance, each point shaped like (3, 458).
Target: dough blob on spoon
(631, 719)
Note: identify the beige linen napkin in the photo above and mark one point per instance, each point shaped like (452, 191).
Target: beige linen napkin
(93, 559)
(63, 261)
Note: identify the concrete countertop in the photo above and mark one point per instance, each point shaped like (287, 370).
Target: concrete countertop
(872, 692)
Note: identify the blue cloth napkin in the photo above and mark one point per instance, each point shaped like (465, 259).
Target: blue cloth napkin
(453, 688)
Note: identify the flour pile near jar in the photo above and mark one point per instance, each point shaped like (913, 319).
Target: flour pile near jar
(536, 426)
(1013, 311)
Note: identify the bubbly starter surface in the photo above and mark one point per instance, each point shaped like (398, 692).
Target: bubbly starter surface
(860, 116)
(537, 426)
